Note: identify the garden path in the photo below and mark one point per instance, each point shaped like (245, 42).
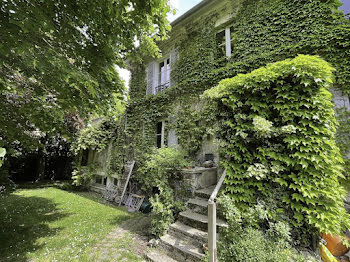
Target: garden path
(128, 242)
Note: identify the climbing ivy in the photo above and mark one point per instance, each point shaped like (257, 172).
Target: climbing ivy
(95, 137)
(278, 128)
(265, 31)
(343, 141)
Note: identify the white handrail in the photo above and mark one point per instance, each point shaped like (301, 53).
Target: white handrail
(217, 187)
(212, 220)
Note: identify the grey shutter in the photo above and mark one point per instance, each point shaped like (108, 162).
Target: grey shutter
(173, 57)
(149, 75)
(172, 138)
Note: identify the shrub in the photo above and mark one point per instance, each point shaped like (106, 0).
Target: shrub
(95, 137)
(277, 125)
(252, 236)
(161, 170)
(83, 175)
(6, 184)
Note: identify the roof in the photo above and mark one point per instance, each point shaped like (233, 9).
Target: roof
(190, 12)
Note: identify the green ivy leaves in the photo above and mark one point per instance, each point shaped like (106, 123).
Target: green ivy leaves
(289, 140)
(2, 155)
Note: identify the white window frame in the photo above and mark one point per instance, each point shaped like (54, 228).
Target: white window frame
(103, 178)
(161, 134)
(163, 78)
(153, 74)
(228, 47)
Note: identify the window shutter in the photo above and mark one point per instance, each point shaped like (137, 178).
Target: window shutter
(173, 57)
(150, 75)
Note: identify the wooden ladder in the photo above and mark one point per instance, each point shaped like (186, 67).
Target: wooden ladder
(127, 181)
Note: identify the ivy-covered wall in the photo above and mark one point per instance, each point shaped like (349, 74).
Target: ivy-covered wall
(265, 31)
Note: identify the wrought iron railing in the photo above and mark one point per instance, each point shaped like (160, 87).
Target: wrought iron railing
(162, 87)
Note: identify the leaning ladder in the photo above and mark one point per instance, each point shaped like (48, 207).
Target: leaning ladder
(212, 220)
(127, 182)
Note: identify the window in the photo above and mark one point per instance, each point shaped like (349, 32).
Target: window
(101, 180)
(220, 39)
(115, 181)
(224, 40)
(160, 130)
(158, 73)
(98, 180)
(163, 75)
(85, 157)
(231, 40)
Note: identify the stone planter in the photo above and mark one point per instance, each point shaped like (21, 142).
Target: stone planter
(200, 177)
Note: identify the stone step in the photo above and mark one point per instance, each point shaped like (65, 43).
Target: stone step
(205, 192)
(198, 221)
(198, 205)
(181, 250)
(157, 255)
(193, 235)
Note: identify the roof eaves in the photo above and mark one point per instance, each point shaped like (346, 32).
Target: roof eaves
(190, 12)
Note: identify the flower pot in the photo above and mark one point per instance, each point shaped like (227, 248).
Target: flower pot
(335, 245)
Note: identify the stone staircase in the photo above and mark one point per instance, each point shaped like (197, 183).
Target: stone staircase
(185, 238)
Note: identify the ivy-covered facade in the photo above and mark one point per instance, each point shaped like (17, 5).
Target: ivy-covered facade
(217, 40)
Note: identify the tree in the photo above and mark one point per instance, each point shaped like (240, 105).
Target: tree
(58, 60)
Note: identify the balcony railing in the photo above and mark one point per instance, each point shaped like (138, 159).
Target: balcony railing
(162, 87)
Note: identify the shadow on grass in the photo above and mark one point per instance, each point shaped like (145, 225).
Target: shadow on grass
(23, 220)
(139, 225)
(137, 222)
(44, 184)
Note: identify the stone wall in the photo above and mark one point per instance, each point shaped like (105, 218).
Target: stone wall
(340, 100)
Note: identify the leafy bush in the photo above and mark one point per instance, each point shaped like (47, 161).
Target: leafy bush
(6, 184)
(95, 137)
(83, 175)
(277, 126)
(2, 155)
(252, 236)
(161, 171)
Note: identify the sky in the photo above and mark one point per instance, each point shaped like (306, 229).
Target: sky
(346, 6)
(181, 6)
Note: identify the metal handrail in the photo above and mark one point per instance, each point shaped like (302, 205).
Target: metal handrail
(212, 219)
(217, 187)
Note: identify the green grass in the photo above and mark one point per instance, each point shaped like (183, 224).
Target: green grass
(49, 224)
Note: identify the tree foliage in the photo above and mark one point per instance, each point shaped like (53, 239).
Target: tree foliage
(58, 59)
(278, 131)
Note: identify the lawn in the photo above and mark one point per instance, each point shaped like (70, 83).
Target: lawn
(49, 224)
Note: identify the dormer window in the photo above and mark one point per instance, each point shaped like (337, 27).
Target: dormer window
(224, 40)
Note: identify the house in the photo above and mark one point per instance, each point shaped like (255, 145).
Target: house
(214, 40)
(204, 47)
